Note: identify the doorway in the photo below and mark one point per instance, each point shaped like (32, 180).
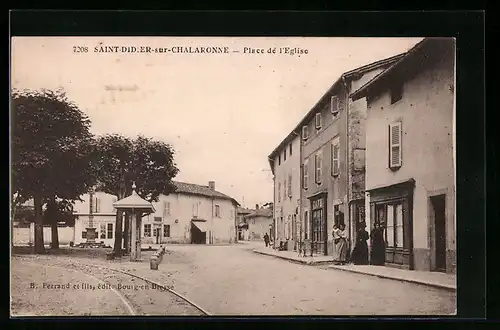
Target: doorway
(439, 210)
(197, 236)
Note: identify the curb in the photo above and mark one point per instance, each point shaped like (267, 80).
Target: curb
(303, 262)
(434, 285)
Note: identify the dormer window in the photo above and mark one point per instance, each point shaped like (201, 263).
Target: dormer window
(318, 121)
(334, 106)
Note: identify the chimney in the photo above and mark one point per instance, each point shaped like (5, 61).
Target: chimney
(256, 206)
(211, 185)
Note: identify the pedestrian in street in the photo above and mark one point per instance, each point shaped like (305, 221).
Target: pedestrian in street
(359, 255)
(340, 240)
(266, 239)
(377, 254)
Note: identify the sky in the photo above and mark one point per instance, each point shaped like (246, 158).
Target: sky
(222, 113)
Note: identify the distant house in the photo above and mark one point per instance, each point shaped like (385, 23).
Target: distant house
(410, 178)
(259, 222)
(194, 214)
(243, 233)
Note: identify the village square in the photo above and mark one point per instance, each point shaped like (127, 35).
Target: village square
(348, 208)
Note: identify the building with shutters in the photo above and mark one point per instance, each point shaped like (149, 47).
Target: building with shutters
(332, 149)
(285, 166)
(259, 223)
(410, 148)
(194, 214)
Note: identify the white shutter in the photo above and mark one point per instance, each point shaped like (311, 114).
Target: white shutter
(335, 158)
(97, 205)
(334, 105)
(395, 133)
(318, 120)
(317, 165)
(305, 132)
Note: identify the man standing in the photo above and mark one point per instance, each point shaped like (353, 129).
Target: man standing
(266, 239)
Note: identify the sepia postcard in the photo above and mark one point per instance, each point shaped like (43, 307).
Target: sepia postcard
(233, 176)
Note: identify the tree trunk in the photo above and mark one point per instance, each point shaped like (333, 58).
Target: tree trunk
(39, 246)
(126, 236)
(54, 235)
(118, 234)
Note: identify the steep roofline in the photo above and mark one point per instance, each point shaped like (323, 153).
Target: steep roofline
(364, 90)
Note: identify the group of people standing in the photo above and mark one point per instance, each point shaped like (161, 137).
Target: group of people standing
(359, 255)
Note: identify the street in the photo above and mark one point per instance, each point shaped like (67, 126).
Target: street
(232, 280)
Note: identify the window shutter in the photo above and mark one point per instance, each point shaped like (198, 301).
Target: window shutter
(284, 190)
(306, 175)
(317, 165)
(279, 191)
(395, 159)
(318, 120)
(289, 185)
(334, 105)
(335, 159)
(97, 205)
(305, 132)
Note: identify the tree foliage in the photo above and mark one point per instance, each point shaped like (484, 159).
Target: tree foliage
(51, 149)
(148, 163)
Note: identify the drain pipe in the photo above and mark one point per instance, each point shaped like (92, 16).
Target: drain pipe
(347, 201)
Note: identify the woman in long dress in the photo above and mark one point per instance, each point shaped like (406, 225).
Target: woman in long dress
(360, 253)
(340, 240)
(377, 255)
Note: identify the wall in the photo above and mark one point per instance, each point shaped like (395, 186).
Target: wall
(426, 111)
(287, 206)
(320, 141)
(25, 236)
(258, 226)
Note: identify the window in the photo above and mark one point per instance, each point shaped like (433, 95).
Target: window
(289, 185)
(395, 134)
(393, 214)
(84, 234)
(305, 132)
(166, 208)
(317, 121)
(317, 166)
(305, 174)
(335, 157)
(110, 230)
(102, 231)
(195, 209)
(334, 106)
(217, 211)
(157, 219)
(279, 191)
(279, 159)
(290, 149)
(284, 155)
(396, 92)
(147, 230)
(166, 230)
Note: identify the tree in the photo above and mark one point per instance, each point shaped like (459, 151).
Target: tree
(121, 161)
(58, 211)
(51, 145)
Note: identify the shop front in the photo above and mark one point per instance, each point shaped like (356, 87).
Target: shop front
(319, 232)
(391, 207)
